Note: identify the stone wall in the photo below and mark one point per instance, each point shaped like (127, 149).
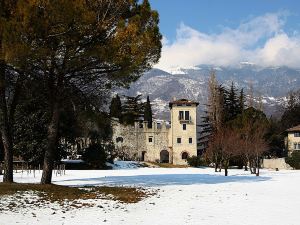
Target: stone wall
(276, 163)
(136, 144)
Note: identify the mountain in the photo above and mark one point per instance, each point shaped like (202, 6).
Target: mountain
(272, 84)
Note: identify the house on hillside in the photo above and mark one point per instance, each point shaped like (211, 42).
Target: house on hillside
(166, 142)
(292, 139)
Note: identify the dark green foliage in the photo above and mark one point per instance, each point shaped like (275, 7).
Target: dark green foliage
(196, 161)
(231, 102)
(133, 109)
(291, 117)
(95, 156)
(241, 101)
(115, 109)
(275, 139)
(294, 160)
(148, 112)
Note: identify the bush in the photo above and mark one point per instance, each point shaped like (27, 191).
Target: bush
(294, 160)
(196, 161)
(95, 156)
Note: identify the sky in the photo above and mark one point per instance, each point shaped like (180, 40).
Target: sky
(227, 32)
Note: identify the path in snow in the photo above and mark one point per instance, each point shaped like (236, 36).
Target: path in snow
(185, 196)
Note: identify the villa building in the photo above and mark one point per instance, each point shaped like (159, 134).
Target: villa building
(292, 139)
(167, 142)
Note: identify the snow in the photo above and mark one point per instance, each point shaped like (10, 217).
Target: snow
(75, 161)
(184, 196)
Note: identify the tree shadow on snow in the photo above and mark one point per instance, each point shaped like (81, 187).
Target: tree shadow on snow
(164, 180)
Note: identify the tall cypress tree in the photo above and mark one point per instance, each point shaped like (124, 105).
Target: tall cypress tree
(116, 107)
(148, 112)
(232, 103)
(241, 101)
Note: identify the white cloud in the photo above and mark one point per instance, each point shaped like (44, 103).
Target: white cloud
(231, 46)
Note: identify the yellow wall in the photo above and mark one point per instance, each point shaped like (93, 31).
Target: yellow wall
(178, 132)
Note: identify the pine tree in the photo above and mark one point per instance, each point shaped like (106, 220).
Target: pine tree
(9, 92)
(231, 104)
(241, 101)
(116, 108)
(82, 45)
(148, 112)
(133, 109)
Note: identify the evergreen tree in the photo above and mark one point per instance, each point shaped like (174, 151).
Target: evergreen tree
(148, 112)
(231, 103)
(241, 101)
(133, 109)
(66, 45)
(9, 91)
(116, 108)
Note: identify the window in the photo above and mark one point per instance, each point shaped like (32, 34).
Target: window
(119, 139)
(150, 139)
(191, 140)
(184, 155)
(295, 146)
(178, 140)
(184, 126)
(181, 115)
(298, 146)
(297, 134)
(187, 115)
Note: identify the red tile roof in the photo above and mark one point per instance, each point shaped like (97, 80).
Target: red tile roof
(183, 101)
(296, 128)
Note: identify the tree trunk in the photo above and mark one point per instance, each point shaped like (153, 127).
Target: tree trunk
(226, 171)
(226, 165)
(52, 145)
(5, 129)
(257, 166)
(216, 167)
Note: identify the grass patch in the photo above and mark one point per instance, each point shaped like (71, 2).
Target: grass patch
(168, 165)
(63, 194)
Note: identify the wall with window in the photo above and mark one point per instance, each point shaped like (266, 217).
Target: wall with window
(293, 142)
(139, 141)
(184, 134)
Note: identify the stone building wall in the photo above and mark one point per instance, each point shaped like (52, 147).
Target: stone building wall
(132, 142)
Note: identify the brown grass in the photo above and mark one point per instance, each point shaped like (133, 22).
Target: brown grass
(58, 193)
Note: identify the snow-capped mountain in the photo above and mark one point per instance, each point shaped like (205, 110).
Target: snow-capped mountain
(272, 84)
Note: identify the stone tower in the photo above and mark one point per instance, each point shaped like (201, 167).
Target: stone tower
(183, 132)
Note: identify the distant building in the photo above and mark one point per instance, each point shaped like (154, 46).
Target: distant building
(165, 142)
(292, 139)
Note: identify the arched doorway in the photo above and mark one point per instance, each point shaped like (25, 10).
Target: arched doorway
(143, 155)
(164, 156)
(184, 155)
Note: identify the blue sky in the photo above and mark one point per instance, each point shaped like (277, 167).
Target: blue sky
(261, 31)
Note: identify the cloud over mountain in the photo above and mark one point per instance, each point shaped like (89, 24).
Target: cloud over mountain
(261, 40)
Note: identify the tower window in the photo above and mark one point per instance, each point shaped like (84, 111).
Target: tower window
(191, 140)
(181, 115)
(150, 139)
(187, 115)
(178, 140)
(297, 134)
(184, 126)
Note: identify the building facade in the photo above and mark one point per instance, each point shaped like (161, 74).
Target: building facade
(292, 139)
(166, 142)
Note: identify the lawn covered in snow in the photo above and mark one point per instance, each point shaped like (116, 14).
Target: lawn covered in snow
(184, 196)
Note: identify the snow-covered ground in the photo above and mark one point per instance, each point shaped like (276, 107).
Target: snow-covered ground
(184, 196)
